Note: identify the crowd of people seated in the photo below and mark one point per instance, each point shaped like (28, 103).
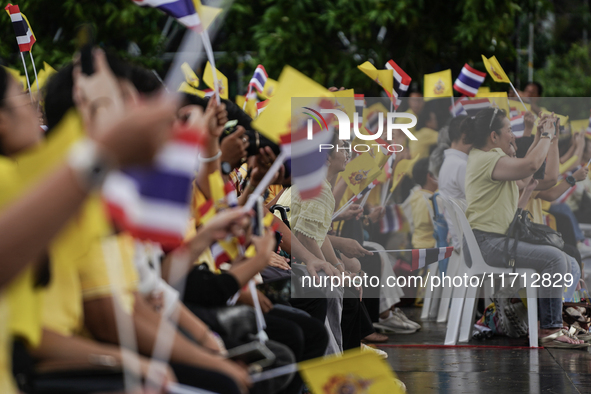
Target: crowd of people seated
(85, 307)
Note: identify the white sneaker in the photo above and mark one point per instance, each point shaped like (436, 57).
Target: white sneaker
(395, 324)
(398, 311)
(379, 352)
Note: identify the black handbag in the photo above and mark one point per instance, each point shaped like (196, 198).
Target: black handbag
(522, 229)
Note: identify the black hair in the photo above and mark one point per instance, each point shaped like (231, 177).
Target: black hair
(476, 129)
(58, 90)
(437, 107)
(4, 79)
(537, 85)
(523, 145)
(420, 171)
(454, 130)
(144, 80)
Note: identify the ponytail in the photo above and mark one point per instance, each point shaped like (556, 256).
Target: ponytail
(476, 129)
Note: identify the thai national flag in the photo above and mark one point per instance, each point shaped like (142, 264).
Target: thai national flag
(24, 35)
(423, 257)
(367, 188)
(457, 109)
(308, 163)
(513, 112)
(472, 107)
(153, 203)
(182, 10)
(518, 125)
(257, 82)
(392, 220)
(359, 104)
(469, 81)
(401, 79)
(261, 106)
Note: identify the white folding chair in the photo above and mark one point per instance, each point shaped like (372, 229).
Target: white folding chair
(461, 317)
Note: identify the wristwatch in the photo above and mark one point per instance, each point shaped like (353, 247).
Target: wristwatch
(571, 180)
(545, 135)
(89, 164)
(226, 168)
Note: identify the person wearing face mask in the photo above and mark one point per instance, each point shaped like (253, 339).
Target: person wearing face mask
(492, 195)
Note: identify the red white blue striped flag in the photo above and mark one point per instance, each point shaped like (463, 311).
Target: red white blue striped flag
(257, 82)
(423, 257)
(182, 10)
(472, 107)
(24, 34)
(308, 163)
(457, 108)
(393, 219)
(518, 125)
(401, 82)
(469, 81)
(153, 203)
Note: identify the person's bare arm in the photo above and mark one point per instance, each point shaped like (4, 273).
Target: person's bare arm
(514, 169)
(553, 193)
(552, 167)
(330, 255)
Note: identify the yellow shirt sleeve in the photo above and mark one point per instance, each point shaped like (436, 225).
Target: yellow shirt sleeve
(422, 237)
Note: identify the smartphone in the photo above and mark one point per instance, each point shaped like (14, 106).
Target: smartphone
(253, 353)
(85, 42)
(258, 228)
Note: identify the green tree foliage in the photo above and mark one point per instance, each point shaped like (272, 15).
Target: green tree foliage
(117, 24)
(422, 36)
(567, 75)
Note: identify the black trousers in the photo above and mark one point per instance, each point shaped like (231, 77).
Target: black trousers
(355, 322)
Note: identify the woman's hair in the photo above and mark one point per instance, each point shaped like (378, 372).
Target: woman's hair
(437, 107)
(476, 129)
(454, 130)
(3, 85)
(420, 171)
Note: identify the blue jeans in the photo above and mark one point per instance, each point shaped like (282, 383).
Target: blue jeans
(565, 210)
(575, 270)
(542, 258)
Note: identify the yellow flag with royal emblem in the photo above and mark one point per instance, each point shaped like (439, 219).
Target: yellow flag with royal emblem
(495, 70)
(438, 84)
(384, 78)
(222, 81)
(404, 167)
(360, 171)
(355, 372)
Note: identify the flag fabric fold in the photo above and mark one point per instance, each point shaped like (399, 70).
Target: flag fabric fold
(257, 82)
(24, 34)
(423, 257)
(182, 10)
(469, 81)
(153, 203)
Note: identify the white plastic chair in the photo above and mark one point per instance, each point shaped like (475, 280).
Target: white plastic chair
(461, 317)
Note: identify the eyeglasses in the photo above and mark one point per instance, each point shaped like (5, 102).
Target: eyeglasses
(493, 117)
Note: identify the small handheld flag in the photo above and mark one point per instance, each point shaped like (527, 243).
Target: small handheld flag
(24, 34)
(518, 125)
(438, 84)
(495, 70)
(222, 82)
(182, 10)
(469, 81)
(257, 82)
(423, 257)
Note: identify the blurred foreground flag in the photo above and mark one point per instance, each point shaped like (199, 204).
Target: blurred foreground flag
(222, 81)
(153, 203)
(182, 10)
(24, 34)
(469, 81)
(357, 371)
(438, 84)
(495, 70)
(300, 130)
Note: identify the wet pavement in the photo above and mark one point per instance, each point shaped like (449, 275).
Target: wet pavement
(496, 365)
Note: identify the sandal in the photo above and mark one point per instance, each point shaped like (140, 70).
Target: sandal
(550, 341)
(579, 333)
(375, 337)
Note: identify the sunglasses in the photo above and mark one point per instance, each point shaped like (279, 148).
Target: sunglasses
(493, 118)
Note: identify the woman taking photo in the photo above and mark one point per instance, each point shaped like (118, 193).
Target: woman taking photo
(493, 181)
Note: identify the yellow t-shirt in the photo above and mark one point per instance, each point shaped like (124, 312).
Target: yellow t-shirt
(422, 237)
(491, 204)
(426, 137)
(114, 253)
(313, 217)
(534, 205)
(6, 382)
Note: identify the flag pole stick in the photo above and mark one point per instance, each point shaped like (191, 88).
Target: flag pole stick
(34, 70)
(265, 181)
(518, 96)
(26, 75)
(452, 106)
(210, 57)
